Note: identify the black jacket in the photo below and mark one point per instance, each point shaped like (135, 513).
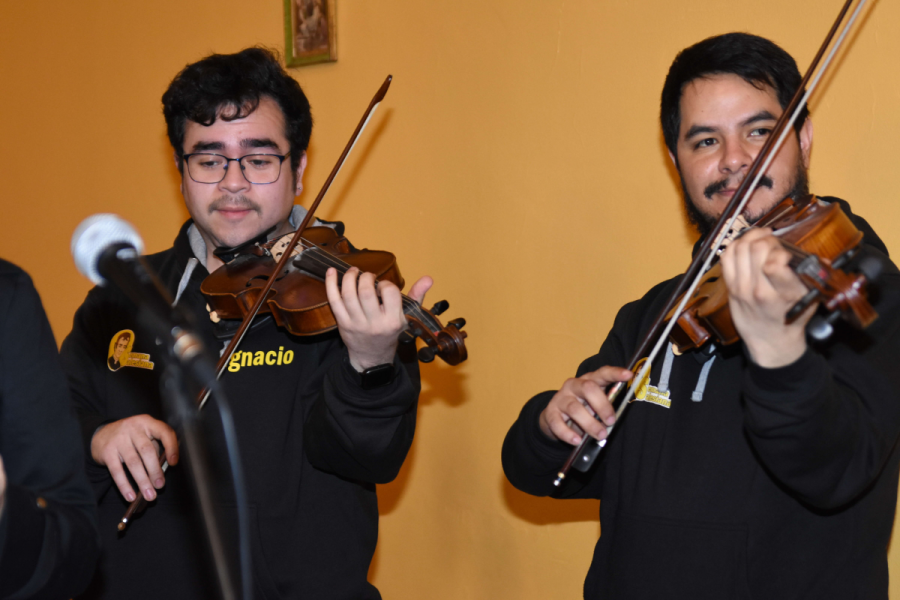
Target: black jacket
(313, 444)
(778, 483)
(48, 531)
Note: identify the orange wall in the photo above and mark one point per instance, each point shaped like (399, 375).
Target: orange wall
(517, 159)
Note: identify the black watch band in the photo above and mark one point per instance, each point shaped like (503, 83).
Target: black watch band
(377, 376)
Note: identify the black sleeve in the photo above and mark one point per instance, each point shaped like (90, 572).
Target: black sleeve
(79, 351)
(49, 541)
(363, 434)
(826, 425)
(531, 460)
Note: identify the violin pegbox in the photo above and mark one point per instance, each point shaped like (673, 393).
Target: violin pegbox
(447, 342)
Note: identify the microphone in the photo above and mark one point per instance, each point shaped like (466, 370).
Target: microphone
(106, 248)
(94, 235)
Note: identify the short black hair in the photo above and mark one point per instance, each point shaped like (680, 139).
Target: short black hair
(756, 60)
(237, 82)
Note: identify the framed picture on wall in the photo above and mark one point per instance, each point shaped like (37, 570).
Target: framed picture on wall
(310, 32)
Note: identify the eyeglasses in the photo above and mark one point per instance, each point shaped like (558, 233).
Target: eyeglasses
(212, 168)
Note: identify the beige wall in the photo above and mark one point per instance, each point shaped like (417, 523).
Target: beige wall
(517, 159)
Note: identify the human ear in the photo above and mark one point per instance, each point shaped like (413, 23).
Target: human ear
(673, 159)
(298, 176)
(806, 137)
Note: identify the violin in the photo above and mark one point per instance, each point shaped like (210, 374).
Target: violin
(821, 240)
(297, 299)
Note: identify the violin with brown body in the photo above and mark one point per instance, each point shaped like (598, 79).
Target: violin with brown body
(297, 299)
(821, 239)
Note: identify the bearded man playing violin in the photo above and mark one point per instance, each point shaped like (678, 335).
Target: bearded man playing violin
(766, 468)
(320, 419)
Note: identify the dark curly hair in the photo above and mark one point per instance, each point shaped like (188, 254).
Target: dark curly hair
(756, 60)
(236, 82)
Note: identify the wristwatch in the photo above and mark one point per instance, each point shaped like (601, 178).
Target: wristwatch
(375, 377)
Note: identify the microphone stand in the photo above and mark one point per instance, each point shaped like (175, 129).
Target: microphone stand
(182, 414)
(187, 371)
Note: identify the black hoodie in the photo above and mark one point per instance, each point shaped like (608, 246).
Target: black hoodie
(771, 483)
(313, 444)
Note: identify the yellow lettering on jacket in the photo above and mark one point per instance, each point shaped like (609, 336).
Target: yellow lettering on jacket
(260, 357)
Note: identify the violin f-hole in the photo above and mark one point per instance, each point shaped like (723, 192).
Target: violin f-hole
(265, 278)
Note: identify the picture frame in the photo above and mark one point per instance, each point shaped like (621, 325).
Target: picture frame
(310, 32)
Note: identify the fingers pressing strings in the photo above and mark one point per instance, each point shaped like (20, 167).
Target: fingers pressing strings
(327, 260)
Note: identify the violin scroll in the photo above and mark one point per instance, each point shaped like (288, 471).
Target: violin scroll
(446, 342)
(850, 302)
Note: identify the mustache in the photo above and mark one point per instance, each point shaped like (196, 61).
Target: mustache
(240, 202)
(715, 188)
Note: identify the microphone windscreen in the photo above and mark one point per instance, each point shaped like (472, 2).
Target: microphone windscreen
(94, 235)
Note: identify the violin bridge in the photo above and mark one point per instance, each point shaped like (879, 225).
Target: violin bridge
(279, 247)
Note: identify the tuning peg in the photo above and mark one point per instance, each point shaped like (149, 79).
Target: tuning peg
(426, 354)
(439, 307)
(458, 323)
(820, 328)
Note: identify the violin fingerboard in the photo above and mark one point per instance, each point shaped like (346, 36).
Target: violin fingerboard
(312, 262)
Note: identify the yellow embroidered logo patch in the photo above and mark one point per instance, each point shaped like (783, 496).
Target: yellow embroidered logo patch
(120, 354)
(649, 393)
(259, 358)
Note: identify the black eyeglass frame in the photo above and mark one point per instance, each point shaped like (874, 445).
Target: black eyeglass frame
(281, 158)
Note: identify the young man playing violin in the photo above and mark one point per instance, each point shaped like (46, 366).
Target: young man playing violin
(767, 468)
(320, 420)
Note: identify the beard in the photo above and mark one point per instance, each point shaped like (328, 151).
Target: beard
(704, 223)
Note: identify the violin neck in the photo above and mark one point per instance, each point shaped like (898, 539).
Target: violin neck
(798, 255)
(316, 262)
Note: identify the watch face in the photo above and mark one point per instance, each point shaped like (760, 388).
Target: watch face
(377, 376)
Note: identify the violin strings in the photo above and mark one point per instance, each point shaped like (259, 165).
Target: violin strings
(327, 259)
(322, 257)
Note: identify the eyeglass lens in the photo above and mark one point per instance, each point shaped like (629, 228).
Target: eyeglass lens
(211, 168)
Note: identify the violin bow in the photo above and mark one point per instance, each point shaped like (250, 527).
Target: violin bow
(286, 256)
(583, 456)
(224, 359)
